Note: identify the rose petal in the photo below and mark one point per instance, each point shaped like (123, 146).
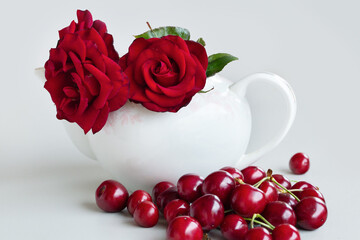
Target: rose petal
(70, 29)
(172, 51)
(109, 42)
(105, 86)
(77, 63)
(162, 100)
(72, 42)
(184, 103)
(147, 55)
(68, 106)
(119, 79)
(156, 108)
(137, 47)
(101, 119)
(95, 56)
(199, 52)
(200, 80)
(137, 93)
(153, 107)
(88, 118)
(84, 19)
(148, 77)
(186, 84)
(123, 61)
(58, 56)
(71, 92)
(119, 99)
(55, 87)
(93, 36)
(83, 104)
(85, 95)
(49, 69)
(181, 43)
(165, 77)
(91, 84)
(100, 26)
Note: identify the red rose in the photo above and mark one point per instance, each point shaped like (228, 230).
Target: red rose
(165, 73)
(86, 23)
(82, 75)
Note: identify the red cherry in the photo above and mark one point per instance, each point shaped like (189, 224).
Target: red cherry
(253, 174)
(301, 185)
(135, 198)
(284, 181)
(184, 227)
(247, 200)
(258, 233)
(234, 227)
(146, 214)
(189, 187)
(285, 232)
(287, 198)
(278, 213)
(310, 192)
(311, 213)
(236, 173)
(111, 196)
(160, 187)
(221, 184)
(176, 208)
(165, 197)
(208, 210)
(270, 190)
(299, 163)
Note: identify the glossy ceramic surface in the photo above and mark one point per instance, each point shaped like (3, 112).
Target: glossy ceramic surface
(140, 147)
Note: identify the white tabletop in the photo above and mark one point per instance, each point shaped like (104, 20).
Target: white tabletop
(47, 187)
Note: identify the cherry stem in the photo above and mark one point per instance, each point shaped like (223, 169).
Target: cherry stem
(284, 188)
(259, 222)
(291, 190)
(261, 181)
(206, 237)
(228, 211)
(239, 181)
(253, 220)
(266, 221)
(295, 190)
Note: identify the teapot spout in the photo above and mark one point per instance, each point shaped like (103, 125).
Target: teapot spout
(79, 139)
(40, 72)
(77, 136)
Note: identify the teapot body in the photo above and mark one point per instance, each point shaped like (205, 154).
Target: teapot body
(141, 148)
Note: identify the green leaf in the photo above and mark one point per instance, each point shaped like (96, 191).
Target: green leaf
(164, 31)
(201, 41)
(217, 62)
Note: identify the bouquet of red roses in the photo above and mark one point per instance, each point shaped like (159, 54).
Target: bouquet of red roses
(162, 70)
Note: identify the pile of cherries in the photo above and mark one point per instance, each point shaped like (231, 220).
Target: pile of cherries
(248, 204)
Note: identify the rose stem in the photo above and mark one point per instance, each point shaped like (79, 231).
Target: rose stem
(149, 26)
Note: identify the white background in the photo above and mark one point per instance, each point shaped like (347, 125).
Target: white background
(47, 187)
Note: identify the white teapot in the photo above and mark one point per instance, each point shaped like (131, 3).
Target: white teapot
(141, 148)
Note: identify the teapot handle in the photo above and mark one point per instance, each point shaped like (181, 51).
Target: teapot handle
(240, 88)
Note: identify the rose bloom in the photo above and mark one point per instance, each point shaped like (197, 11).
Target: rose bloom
(83, 76)
(165, 73)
